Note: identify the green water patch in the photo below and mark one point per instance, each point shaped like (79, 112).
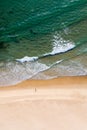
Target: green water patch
(21, 19)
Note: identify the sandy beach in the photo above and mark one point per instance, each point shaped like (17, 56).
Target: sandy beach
(57, 104)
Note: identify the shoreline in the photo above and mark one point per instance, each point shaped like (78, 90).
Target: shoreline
(69, 81)
(63, 88)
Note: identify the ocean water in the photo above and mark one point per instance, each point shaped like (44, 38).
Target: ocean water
(42, 39)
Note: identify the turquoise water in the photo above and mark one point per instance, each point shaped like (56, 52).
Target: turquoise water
(42, 39)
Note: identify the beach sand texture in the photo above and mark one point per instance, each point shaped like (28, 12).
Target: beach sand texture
(57, 104)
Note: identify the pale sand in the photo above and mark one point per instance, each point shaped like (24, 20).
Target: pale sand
(58, 104)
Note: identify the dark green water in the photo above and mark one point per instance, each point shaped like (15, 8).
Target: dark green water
(51, 33)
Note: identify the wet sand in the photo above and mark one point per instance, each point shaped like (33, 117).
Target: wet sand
(57, 104)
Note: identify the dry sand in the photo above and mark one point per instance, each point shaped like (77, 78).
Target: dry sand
(58, 104)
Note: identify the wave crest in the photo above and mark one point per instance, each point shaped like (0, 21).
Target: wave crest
(61, 45)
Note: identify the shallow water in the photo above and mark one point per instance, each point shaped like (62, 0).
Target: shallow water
(42, 41)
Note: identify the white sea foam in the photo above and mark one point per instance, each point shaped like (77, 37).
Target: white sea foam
(60, 45)
(27, 59)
